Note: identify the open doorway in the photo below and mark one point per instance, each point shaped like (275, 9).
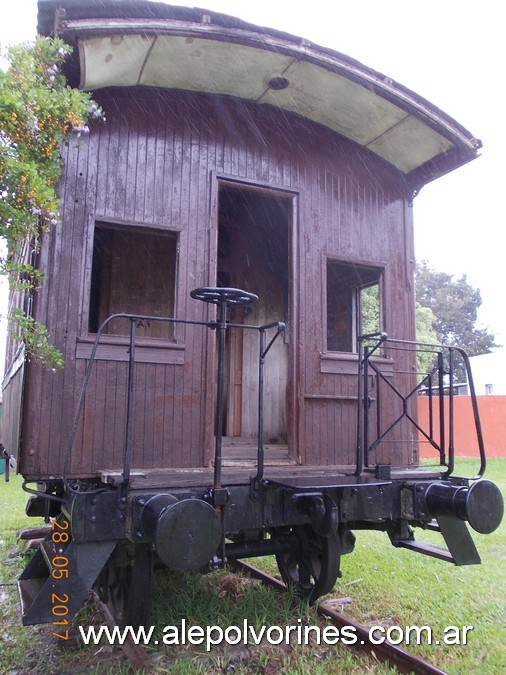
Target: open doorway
(254, 228)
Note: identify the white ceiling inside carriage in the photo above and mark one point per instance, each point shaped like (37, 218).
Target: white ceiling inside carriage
(405, 134)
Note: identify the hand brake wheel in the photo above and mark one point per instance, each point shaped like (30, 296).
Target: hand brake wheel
(216, 295)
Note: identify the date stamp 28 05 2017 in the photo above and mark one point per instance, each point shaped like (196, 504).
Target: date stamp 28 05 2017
(60, 538)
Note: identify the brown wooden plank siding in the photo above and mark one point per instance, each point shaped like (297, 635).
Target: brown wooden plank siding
(156, 162)
(12, 397)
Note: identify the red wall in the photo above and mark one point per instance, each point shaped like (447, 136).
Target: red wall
(492, 411)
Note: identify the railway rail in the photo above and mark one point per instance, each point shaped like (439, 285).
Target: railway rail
(395, 656)
(137, 654)
(404, 661)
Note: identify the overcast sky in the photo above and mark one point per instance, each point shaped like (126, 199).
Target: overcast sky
(449, 51)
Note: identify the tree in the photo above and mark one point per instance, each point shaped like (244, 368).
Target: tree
(38, 111)
(370, 306)
(425, 320)
(454, 304)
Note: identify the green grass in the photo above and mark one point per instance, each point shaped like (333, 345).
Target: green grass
(225, 599)
(387, 586)
(15, 642)
(399, 587)
(12, 505)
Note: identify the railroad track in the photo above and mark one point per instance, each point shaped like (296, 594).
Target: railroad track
(137, 655)
(403, 661)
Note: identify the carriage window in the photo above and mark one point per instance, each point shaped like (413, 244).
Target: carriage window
(133, 271)
(353, 304)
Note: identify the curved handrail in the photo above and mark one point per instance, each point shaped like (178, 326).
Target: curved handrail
(363, 447)
(134, 318)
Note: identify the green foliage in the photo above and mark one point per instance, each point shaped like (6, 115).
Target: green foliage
(454, 304)
(38, 111)
(35, 337)
(370, 304)
(425, 320)
(425, 333)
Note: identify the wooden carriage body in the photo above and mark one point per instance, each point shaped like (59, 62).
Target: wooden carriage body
(301, 193)
(189, 423)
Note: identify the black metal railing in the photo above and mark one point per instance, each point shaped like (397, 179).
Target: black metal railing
(223, 297)
(389, 385)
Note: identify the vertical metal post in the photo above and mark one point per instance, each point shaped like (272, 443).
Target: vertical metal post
(360, 439)
(4, 456)
(262, 353)
(442, 437)
(261, 360)
(431, 411)
(366, 406)
(127, 459)
(476, 414)
(222, 330)
(378, 406)
(451, 438)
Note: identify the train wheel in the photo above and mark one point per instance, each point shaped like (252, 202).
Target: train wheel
(314, 571)
(127, 589)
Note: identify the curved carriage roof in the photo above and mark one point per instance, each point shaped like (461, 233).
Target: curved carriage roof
(125, 43)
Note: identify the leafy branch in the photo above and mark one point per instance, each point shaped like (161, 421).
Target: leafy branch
(38, 112)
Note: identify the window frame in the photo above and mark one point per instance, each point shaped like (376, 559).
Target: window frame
(114, 347)
(375, 268)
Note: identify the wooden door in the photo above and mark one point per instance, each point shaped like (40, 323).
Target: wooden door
(254, 255)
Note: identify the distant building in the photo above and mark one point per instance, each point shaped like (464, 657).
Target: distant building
(489, 373)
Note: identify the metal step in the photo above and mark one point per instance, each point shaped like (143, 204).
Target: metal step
(69, 581)
(458, 540)
(461, 548)
(426, 549)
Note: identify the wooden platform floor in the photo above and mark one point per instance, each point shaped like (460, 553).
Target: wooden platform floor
(243, 452)
(296, 476)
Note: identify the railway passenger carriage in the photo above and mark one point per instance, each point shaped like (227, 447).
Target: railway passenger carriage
(242, 217)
